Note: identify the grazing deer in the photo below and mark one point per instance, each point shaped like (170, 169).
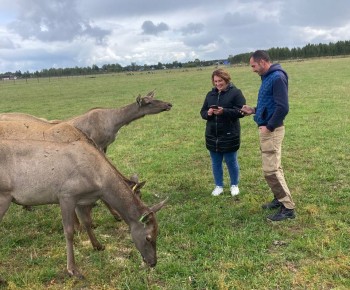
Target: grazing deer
(74, 175)
(61, 132)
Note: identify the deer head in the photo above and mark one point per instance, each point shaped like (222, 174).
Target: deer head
(152, 106)
(144, 234)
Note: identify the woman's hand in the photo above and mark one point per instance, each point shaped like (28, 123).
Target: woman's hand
(218, 111)
(210, 111)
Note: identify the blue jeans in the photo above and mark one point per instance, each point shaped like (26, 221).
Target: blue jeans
(232, 166)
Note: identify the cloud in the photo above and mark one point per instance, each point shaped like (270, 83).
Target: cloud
(148, 27)
(6, 43)
(50, 21)
(192, 28)
(37, 34)
(131, 8)
(324, 13)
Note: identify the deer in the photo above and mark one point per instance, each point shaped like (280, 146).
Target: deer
(102, 124)
(60, 132)
(74, 175)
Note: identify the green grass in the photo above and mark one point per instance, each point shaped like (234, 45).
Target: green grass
(204, 242)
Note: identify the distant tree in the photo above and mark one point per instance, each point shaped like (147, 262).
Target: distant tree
(26, 74)
(95, 68)
(176, 64)
(276, 53)
(197, 62)
(18, 74)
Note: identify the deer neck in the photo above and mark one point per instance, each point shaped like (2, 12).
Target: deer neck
(127, 204)
(125, 115)
(119, 196)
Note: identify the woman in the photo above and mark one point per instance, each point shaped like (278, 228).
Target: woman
(221, 109)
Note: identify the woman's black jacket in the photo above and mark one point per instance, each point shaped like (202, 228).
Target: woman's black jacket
(223, 132)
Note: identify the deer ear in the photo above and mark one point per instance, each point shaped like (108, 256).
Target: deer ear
(158, 206)
(145, 217)
(141, 184)
(134, 178)
(147, 100)
(151, 93)
(139, 100)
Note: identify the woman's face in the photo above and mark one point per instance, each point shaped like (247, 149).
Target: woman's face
(219, 83)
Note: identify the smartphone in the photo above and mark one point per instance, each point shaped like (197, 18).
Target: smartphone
(214, 107)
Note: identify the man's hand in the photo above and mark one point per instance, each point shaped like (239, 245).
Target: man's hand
(247, 111)
(263, 129)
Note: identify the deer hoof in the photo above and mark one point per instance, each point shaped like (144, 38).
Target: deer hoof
(3, 283)
(28, 208)
(117, 218)
(75, 273)
(99, 247)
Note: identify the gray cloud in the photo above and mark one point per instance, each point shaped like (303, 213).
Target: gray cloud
(324, 13)
(6, 43)
(236, 19)
(148, 27)
(192, 28)
(130, 8)
(86, 32)
(53, 21)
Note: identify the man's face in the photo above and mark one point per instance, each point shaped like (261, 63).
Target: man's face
(258, 66)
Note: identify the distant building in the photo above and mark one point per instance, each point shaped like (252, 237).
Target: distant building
(8, 77)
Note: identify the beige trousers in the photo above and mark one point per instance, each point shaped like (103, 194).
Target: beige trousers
(271, 153)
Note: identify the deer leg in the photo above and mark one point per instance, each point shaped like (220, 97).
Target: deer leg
(113, 212)
(67, 210)
(28, 208)
(5, 202)
(77, 225)
(3, 283)
(84, 213)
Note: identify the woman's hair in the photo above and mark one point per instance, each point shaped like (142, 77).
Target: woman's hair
(221, 73)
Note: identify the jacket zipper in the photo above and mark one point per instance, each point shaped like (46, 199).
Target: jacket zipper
(216, 125)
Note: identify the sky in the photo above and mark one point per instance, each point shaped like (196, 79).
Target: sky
(43, 34)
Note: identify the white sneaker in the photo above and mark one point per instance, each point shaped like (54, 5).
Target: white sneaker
(234, 190)
(217, 190)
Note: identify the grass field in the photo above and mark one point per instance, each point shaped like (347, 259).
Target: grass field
(205, 242)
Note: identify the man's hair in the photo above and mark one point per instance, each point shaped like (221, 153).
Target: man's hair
(222, 74)
(259, 55)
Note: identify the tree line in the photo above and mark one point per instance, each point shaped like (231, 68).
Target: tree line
(276, 53)
(309, 51)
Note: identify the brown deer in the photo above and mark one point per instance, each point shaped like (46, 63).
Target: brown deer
(61, 132)
(74, 175)
(102, 125)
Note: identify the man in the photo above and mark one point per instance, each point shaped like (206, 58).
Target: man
(272, 107)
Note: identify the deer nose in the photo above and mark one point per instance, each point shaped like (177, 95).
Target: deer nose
(153, 264)
(150, 263)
